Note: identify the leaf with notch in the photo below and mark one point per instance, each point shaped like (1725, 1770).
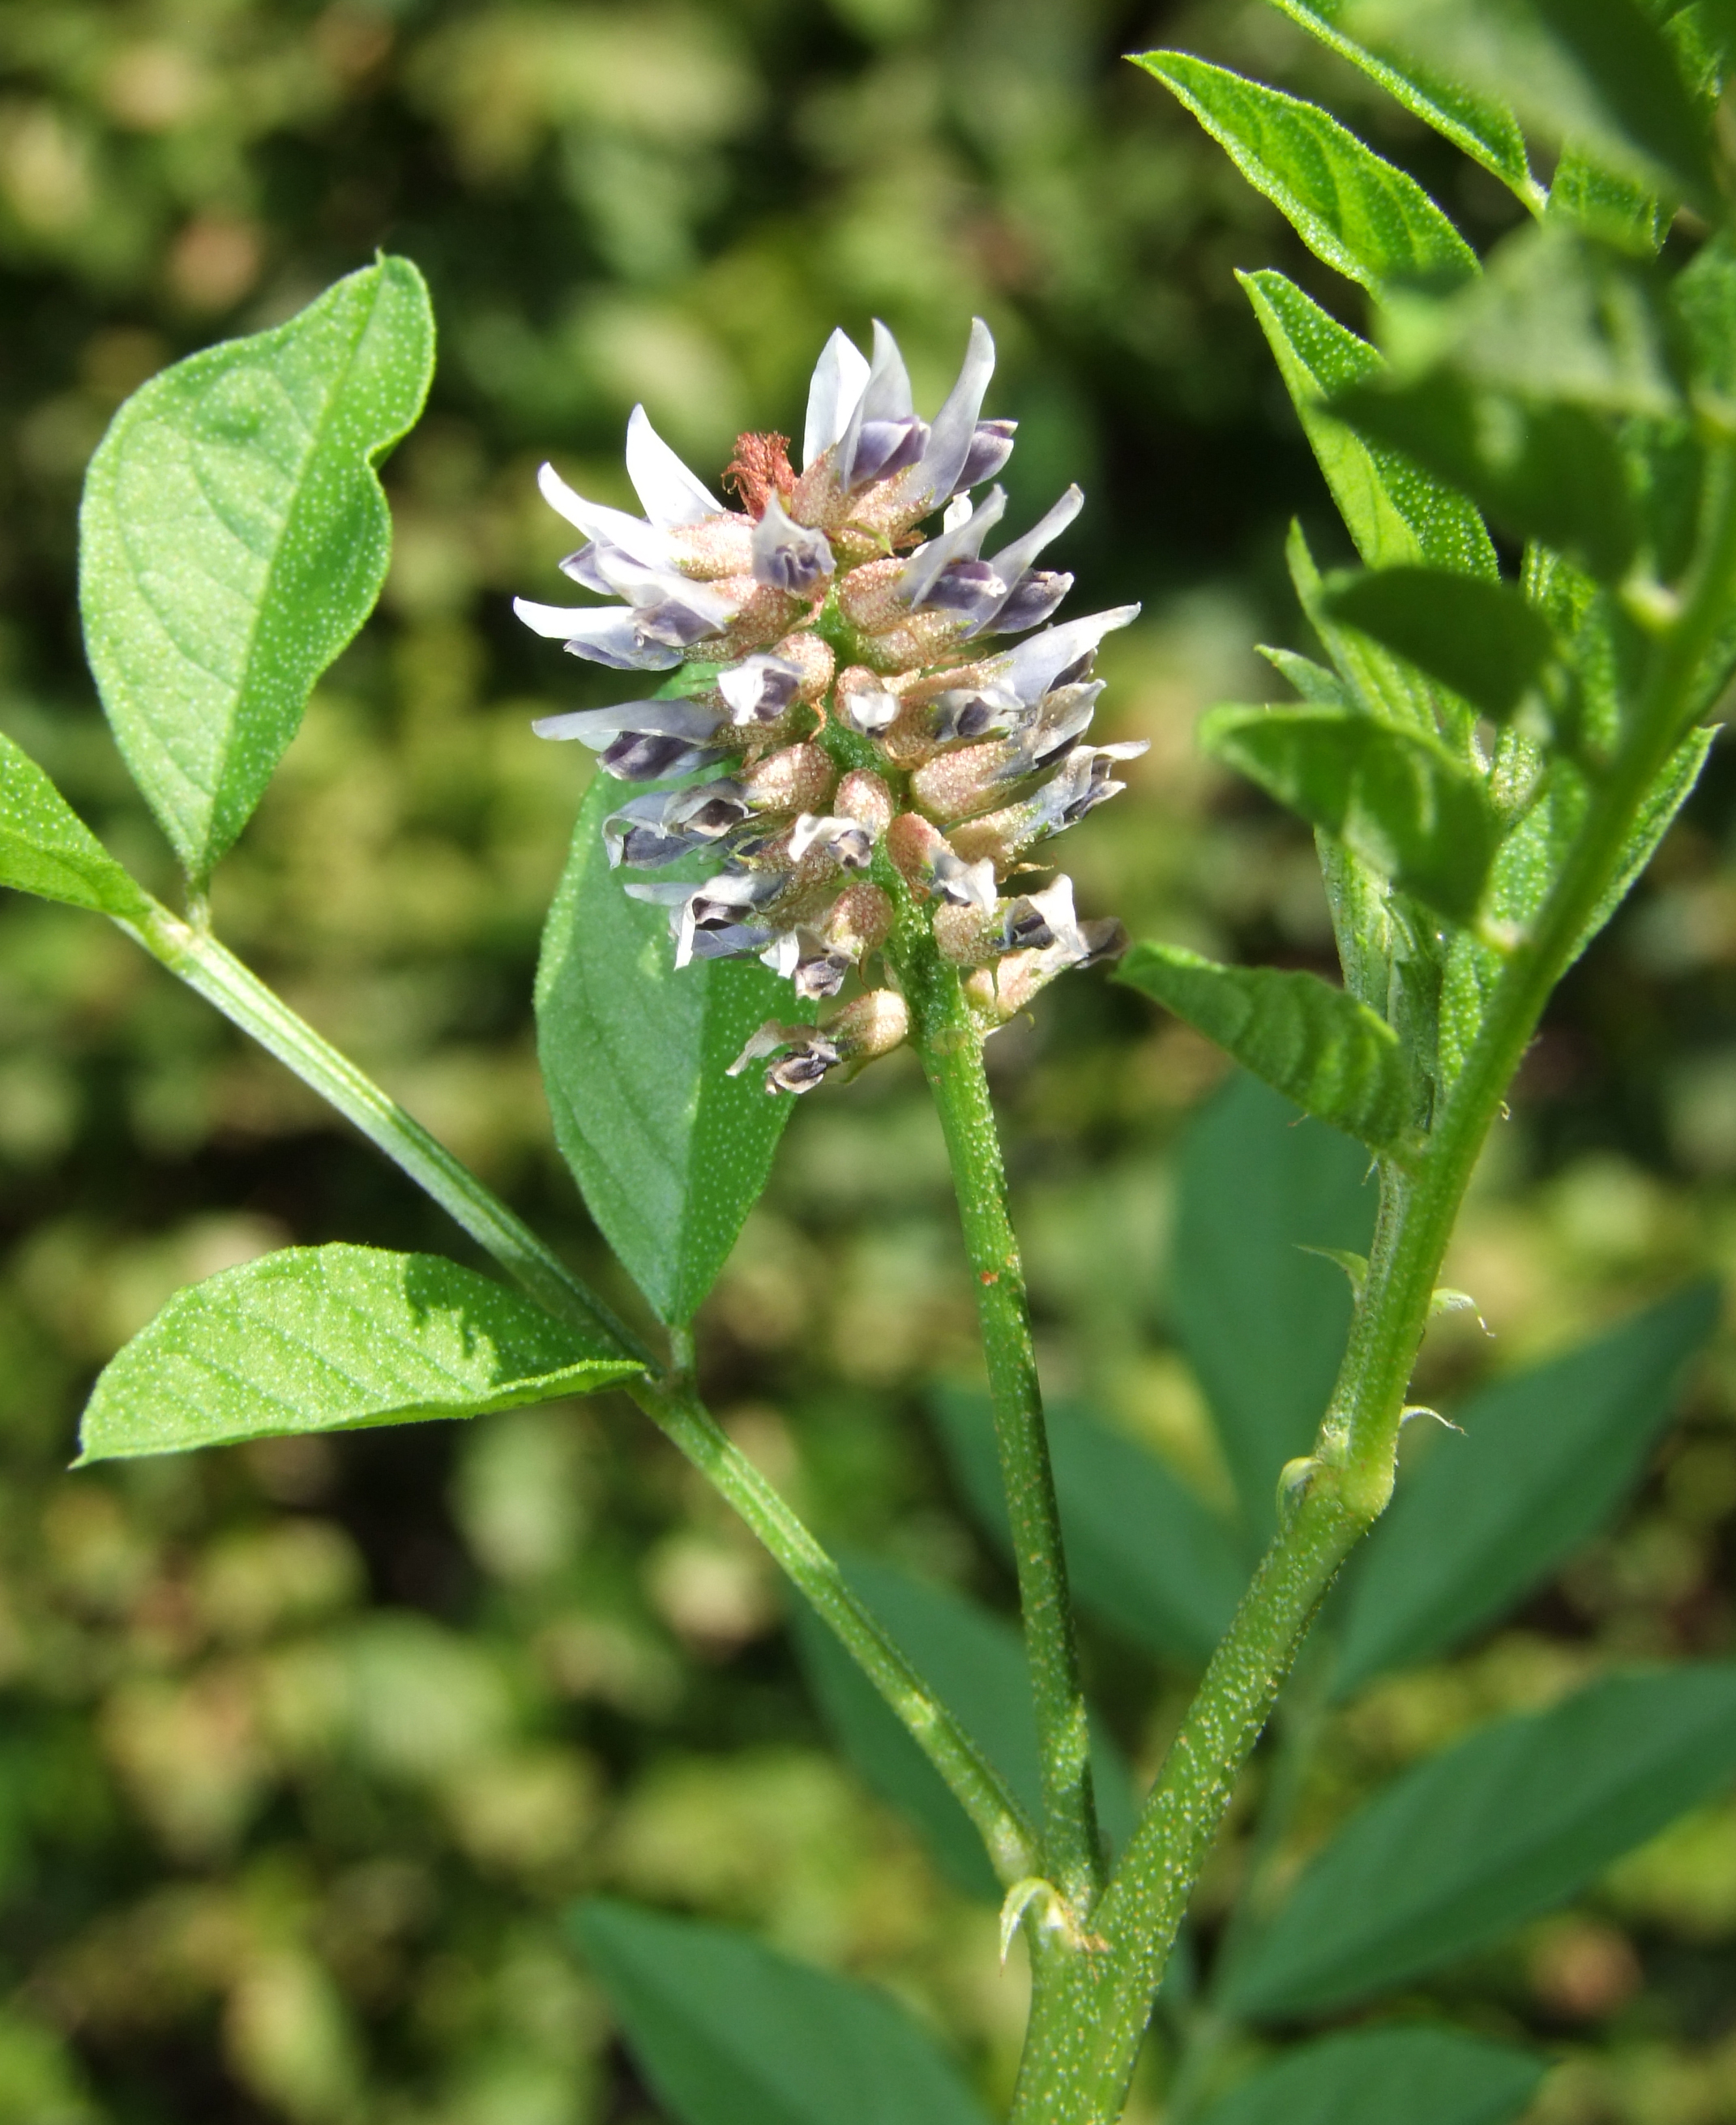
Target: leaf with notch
(1145, 1556)
(45, 848)
(234, 537)
(1472, 1842)
(1357, 212)
(1315, 1043)
(729, 2032)
(1545, 1457)
(669, 1152)
(333, 1339)
(1480, 638)
(1395, 510)
(1480, 126)
(1595, 72)
(1262, 1321)
(1400, 800)
(1421, 2076)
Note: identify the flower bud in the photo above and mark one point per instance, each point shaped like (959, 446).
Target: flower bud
(864, 795)
(797, 779)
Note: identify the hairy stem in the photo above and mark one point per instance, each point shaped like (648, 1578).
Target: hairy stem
(197, 959)
(950, 1044)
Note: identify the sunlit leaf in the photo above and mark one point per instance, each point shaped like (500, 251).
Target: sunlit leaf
(1544, 1457)
(1480, 638)
(1357, 212)
(1471, 1842)
(670, 1152)
(729, 2033)
(45, 848)
(1398, 799)
(1315, 1043)
(234, 537)
(333, 1339)
(1420, 2076)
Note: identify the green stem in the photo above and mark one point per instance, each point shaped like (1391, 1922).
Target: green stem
(197, 959)
(950, 1042)
(1086, 2031)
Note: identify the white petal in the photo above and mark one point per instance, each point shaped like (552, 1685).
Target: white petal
(556, 621)
(958, 513)
(644, 541)
(1033, 666)
(949, 439)
(886, 395)
(670, 493)
(839, 376)
(1012, 561)
(962, 543)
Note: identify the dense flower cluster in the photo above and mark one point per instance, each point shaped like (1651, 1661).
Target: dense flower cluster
(838, 668)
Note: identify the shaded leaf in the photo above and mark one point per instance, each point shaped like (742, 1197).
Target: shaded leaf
(1420, 2076)
(234, 537)
(1471, 1842)
(729, 2033)
(1481, 126)
(1480, 638)
(669, 1151)
(1261, 1322)
(45, 848)
(1145, 1556)
(333, 1339)
(1545, 1457)
(1316, 1044)
(1397, 798)
(974, 1662)
(1358, 212)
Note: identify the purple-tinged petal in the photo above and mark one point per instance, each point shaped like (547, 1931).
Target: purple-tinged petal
(1031, 669)
(789, 557)
(596, 727)
(644, 541)
(963, 542)
(760, 688)
(990, 448)
(954, 432)
(840, 376)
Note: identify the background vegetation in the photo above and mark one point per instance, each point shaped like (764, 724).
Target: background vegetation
(306, 1747)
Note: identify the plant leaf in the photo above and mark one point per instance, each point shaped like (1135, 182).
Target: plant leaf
(1420, 2076)
(1145, 1556)
(729, 2033)
(1315, 1043)
(1480, 638)
(333, 1339)
(1261, 1322)
(1472, 1842)
(1595, 72)
(1395, 510)
(1480, 126)
(234, 537)
(1546, 1457)
(1398, 799)
(1360, 214)
(45, 848)
(974, 1661)
(669, 1151)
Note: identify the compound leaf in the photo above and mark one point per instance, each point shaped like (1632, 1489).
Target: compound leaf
(1545, 1457)
(1316, 1044)
(1423, 2077)
(1481, 639)
(669, 1151)
(234, 537)
(333, 1339)
(45, 848)
(729, 2033)
(1474, 1840)
(1396, 798)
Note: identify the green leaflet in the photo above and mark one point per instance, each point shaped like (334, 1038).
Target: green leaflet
(1262, 1322)
(1471, 1842)
(1145, 1556)
(1545, 1457)
(1482, 126)
(1596, 72)
(1316, 1044)
(1480, 638)
(46, 848)
(1422, 2076)
(974, 1661)
(669, 1152)
(1358, 212)
(729, 2033)
(234, 537)
(1395, 510)
(1398, 799)
(331, 1339)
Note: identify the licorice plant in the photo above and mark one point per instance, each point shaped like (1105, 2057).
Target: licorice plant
(819, 830)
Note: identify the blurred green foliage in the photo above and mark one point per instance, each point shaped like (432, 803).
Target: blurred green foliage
(306, 1746)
